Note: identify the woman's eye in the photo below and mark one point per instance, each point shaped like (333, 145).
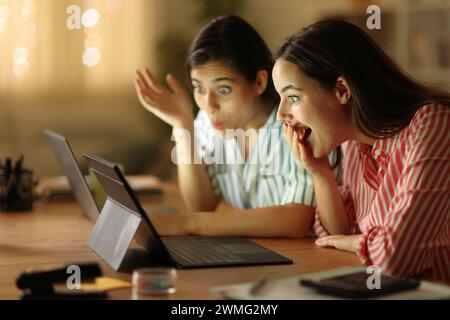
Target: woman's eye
(224, 90)
(293, 99)
(199, 90)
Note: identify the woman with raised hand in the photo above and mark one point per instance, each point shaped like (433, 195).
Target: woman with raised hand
(393, 207)
(267, 194)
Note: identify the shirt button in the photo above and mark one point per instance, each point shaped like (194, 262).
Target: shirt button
(377, 153)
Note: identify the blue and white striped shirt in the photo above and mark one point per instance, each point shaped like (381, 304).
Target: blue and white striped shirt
(271, 176)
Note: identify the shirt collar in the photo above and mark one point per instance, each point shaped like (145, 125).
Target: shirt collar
(272, 119)
(383, 148)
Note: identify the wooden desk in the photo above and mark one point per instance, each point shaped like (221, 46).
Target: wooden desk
(55, 234)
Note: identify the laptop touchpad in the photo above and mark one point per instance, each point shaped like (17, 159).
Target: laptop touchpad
(244, 248)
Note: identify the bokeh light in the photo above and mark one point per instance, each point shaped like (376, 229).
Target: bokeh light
(21, 68)
(20, 55)
(21, 64)
(90, 18)
(4, 13)
(28, 8)
(91, 57)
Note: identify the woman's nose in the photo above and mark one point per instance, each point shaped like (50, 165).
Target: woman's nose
(210, 102)
(283, 113)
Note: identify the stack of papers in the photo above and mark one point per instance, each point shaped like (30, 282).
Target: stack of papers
(59, 185)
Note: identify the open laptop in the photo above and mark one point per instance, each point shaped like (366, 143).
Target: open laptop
(127, 218)
(78, 183)
(69, 165)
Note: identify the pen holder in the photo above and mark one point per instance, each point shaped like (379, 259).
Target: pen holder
(16, 190)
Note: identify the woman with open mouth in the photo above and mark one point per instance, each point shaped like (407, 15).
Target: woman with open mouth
(229, 68)
(338, 87)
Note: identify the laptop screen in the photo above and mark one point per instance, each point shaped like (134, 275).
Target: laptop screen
(69, 165)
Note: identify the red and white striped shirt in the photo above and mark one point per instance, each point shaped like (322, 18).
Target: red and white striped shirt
(397, 194)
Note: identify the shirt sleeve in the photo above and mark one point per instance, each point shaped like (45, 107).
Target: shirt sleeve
(406, 238)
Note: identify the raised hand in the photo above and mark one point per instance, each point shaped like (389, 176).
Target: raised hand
(172, 105)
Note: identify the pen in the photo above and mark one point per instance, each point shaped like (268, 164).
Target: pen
(18, 168)
(12, 178)
(18, 165)
(258, 285)
(7, 167)
(7, 173)
(17, 173)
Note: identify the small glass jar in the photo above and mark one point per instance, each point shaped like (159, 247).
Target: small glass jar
(155, 281)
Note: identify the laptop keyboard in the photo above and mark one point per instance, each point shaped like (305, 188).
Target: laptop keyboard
(200, 251)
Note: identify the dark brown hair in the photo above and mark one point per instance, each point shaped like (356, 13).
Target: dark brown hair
(234, 42)
(384, 98)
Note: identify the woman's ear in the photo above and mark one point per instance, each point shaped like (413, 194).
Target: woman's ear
(262, 78)
(343, 92)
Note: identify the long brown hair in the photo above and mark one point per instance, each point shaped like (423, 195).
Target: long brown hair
(384, 98)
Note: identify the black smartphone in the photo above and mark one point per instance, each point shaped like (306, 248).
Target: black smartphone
(354, 285)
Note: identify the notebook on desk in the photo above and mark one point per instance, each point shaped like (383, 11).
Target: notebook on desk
(289, 288)
(60, 187)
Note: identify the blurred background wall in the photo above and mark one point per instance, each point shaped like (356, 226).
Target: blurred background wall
(79, 82)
